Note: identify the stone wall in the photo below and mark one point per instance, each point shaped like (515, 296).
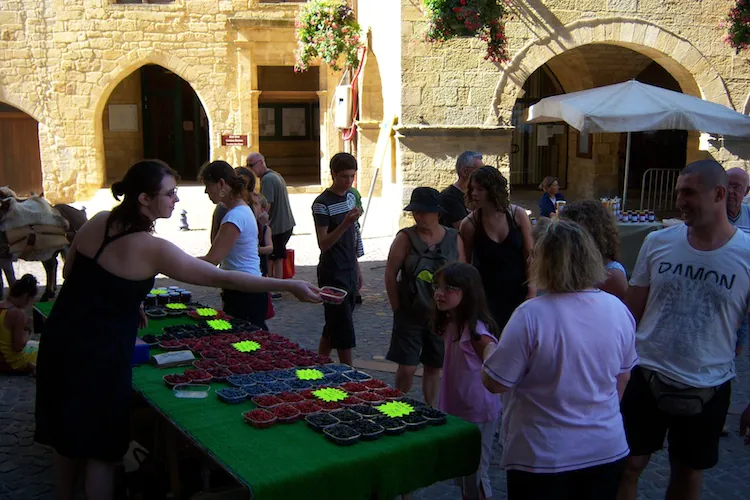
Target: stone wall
(450, 84)
(60, 61)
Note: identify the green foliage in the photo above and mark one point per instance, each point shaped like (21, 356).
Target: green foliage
(484, 19)
(327, 30)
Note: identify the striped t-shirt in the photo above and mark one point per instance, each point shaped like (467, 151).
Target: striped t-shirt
(330, 209)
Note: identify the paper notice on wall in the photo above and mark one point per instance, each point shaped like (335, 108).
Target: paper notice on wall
(542, 136)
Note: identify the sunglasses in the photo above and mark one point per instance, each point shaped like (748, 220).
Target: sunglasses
(447, 288)
(170, 194)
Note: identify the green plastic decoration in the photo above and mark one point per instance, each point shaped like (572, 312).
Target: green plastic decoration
(309, 374)
(395, 409)
(157, 291)
(219, 324)
(330, 394)
(176, 307)
(425, 276)
(206, 311)
(246, 346)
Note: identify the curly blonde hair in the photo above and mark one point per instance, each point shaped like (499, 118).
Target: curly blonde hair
(599, 222)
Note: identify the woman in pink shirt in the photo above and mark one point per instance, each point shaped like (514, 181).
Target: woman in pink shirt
(564, 360)
(463, 319)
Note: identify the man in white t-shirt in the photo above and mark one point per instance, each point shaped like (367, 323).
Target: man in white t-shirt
(689, 294)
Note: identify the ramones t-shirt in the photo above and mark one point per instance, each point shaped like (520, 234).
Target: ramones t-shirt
(696, 302)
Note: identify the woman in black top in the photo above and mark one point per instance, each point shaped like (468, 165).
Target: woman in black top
(83, 366)
(497, 239)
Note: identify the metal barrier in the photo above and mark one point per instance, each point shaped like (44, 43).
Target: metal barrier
(658, 189)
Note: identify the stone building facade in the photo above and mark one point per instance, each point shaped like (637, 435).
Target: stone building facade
(89, 72)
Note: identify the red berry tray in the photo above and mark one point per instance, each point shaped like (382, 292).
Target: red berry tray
(285, 414)
(259, 418)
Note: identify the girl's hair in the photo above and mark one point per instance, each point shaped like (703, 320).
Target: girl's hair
(547, 182)
(145, 177)
(249, 176)
(263, 201)
(473, 307)
(494, 183)
(25, 286)
(220, 170)
(599, 222)
(565, 259)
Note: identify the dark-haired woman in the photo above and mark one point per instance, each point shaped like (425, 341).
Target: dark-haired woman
(18, 352)
(497, 238)
(235, 246)
(83, 369)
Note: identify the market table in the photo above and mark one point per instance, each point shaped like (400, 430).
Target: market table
(293, 461)
(632, 235)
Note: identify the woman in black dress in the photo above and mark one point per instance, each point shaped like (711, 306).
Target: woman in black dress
(497, 238)
(83, 372)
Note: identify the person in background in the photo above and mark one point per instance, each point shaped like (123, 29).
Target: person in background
(265, 243)
(235, 246)
(416, 254)
(548, 202)
(739, 216)
(466, 326)
(358, 228)
(18, 352)
(111, 266)
(220, 211)
(689, 293)
(601, 225)
(335, 212)
(273, 187)
(564, 360)
(498, 241)
(453, 198)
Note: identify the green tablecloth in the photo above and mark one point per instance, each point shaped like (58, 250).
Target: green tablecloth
(293, 461)
(632, 235)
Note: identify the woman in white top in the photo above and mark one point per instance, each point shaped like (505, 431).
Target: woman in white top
(235, 246)
(564, 359)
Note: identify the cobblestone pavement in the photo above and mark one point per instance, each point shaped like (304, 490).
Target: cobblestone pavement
(25, 468)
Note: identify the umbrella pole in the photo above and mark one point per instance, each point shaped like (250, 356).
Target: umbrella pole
(627, 174)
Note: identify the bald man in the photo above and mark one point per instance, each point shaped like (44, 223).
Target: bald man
(273, 187)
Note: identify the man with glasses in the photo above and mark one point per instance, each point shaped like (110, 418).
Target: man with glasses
(273, 187)
(453, 198)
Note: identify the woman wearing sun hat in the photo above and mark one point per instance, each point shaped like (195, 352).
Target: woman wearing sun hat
(415, 255)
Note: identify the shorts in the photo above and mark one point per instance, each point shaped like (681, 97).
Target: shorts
(252, 307)
(693, 440)
(279, 245)
(339, 325)
(413, 341)
(600, 482)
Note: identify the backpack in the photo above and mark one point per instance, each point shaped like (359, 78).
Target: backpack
(419, 267)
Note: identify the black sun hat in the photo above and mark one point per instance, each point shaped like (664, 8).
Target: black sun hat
(425, 199)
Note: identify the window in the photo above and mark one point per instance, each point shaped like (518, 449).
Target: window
(289, 122)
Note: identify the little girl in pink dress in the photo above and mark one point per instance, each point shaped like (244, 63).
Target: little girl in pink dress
(466, 325)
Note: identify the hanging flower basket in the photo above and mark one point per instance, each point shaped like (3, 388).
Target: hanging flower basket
(484, 19)
(327, 30)
(738, 26)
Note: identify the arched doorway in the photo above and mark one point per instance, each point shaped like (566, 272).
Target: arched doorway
(20, 161)
(590, 166)
(153, 113)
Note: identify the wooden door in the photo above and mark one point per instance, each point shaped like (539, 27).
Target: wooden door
(20, 160)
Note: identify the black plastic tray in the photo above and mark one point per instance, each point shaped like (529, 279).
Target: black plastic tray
(354, 435)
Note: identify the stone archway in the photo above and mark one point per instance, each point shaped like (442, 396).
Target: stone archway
(126, 66)
(678, 56)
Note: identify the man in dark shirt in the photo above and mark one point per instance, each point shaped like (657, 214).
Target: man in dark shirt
(335, 213)
(452, 198)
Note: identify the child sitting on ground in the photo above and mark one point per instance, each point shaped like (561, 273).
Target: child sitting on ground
(463, 320)
(18, 352)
